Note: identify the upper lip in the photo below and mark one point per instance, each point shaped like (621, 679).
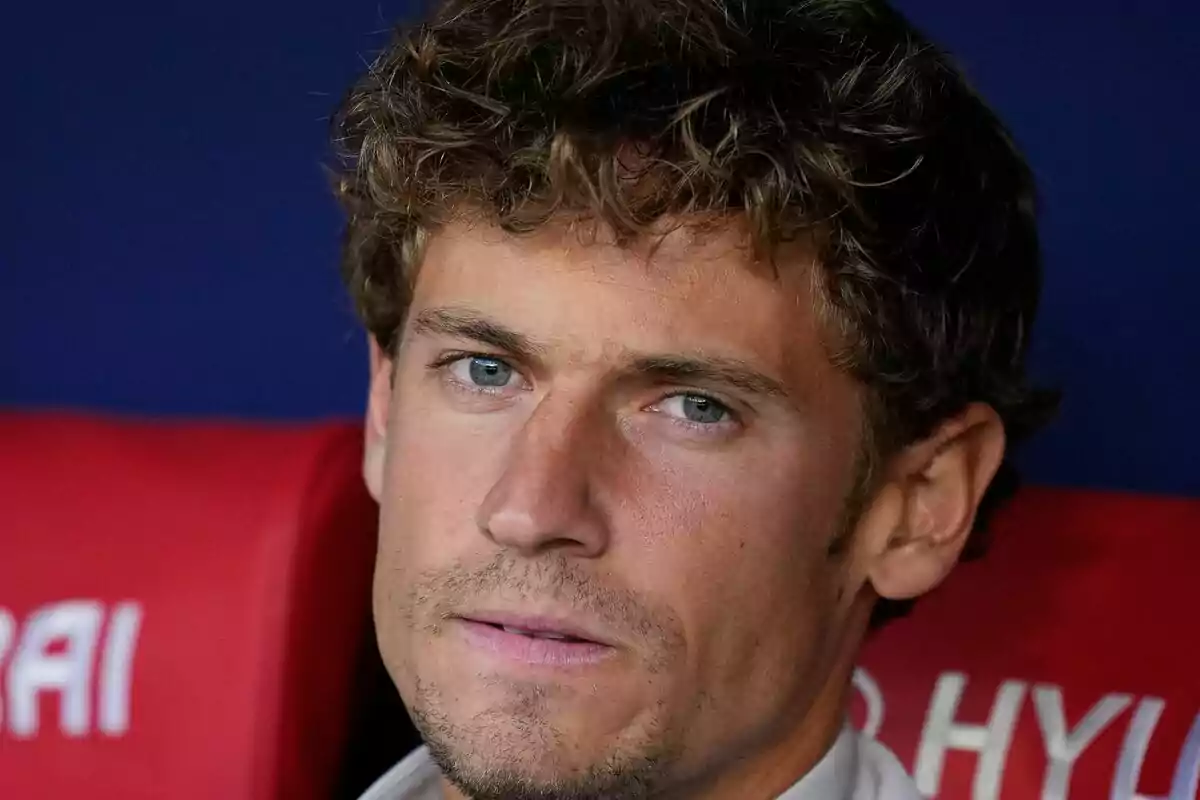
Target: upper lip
(564, 626)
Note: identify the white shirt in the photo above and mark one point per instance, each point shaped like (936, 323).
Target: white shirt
(856, 768)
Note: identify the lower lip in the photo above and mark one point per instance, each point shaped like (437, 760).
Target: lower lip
(529, 650)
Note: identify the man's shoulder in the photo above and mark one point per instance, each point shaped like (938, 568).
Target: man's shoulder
(881, 776)
(414, 778)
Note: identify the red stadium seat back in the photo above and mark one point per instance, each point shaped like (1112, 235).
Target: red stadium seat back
(182, 607)
(1065, 664)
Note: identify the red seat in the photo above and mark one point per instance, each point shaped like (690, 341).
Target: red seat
(1065, 664)
(182, 607)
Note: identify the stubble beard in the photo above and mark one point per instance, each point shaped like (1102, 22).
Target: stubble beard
(507, 755)
(515, 752)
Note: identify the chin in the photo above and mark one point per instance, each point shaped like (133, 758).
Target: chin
(533, 742)
(521, 762)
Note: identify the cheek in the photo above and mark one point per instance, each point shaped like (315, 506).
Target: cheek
(742, 562)
(728, 520)
(437, 469)
(434, 477)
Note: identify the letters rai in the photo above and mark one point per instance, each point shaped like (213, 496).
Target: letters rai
(78, 650)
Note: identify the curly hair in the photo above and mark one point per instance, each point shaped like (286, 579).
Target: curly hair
(831, 121)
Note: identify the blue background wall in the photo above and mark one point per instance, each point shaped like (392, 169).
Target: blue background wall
(168, 242)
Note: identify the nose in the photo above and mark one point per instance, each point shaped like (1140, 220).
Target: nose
(543, 499)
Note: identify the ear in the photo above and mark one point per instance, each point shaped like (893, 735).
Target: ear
(379, 400)
(928, 504)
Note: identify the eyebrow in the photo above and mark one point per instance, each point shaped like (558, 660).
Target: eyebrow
(727, 371)
(466, 323)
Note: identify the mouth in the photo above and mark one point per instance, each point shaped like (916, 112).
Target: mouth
(534, 641)
(536, 634)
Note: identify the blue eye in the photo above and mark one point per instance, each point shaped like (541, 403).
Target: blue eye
(696, 408)
(481, 371)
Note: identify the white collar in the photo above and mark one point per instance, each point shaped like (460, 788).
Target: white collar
(833, 776)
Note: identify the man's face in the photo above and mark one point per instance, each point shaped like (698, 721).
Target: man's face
(610, 485)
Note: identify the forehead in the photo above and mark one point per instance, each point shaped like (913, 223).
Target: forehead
(697, 287)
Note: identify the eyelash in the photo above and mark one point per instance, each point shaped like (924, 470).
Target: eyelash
(446, 359)
(710, 429)
(700, 428)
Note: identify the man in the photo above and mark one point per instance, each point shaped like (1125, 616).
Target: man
(698, 333)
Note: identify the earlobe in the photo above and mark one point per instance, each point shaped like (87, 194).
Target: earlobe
(375, 428)
(939, 482)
